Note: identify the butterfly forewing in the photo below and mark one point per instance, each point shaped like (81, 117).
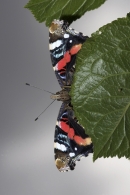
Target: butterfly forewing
(70, 140)
(64, 44)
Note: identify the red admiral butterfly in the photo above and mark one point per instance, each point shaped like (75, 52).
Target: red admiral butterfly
(70, 140)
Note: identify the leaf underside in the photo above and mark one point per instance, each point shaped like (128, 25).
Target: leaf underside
(69, 10)
(101, 89)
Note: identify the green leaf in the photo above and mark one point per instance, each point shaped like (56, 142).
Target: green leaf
(70, 10)
(101, 89)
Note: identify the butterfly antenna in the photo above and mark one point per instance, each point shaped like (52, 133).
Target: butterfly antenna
(44, 110)
(38, 88)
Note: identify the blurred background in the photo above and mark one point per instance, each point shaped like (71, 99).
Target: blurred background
(26, 147)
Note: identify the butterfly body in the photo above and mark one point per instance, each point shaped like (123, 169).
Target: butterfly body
(70, 140)
(62, 95)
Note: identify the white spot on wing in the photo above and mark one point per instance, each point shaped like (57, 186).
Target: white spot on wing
(55, 44)
(63, 148)
(66, 36)
(60, 147)
(71, 154)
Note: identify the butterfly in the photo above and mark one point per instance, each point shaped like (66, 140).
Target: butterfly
(70, 140)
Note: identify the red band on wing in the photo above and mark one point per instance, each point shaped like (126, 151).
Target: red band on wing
(71, 134)
(79, 140)
(67, 57)
(75, 49)
(62, 63)
(65, 127)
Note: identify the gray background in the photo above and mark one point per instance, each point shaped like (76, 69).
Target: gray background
(26, 147)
